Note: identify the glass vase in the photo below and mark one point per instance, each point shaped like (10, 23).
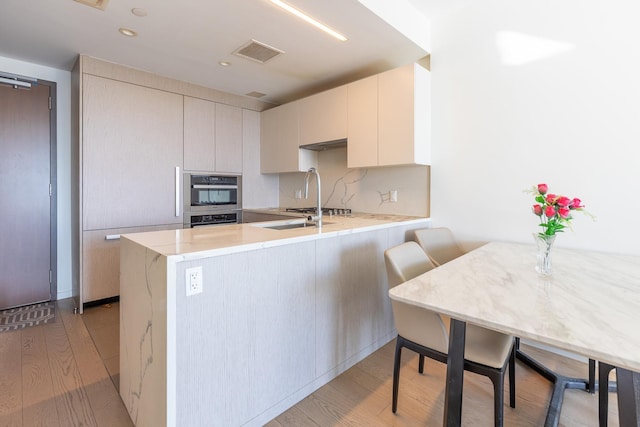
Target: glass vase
(544, 244)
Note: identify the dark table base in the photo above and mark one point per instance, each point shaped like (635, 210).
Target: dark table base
(628, 384)
(560, 384)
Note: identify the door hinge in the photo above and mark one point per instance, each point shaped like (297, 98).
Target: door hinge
(50, 190)
(50, 276)
(49, 103)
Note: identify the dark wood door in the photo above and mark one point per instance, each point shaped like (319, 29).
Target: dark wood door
(25, 202)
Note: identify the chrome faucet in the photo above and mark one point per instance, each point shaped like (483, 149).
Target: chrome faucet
(318, 217)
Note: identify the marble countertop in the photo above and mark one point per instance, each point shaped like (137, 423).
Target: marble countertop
(589, 305)
(201, 242)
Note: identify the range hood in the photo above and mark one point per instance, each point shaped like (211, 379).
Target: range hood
(326, 145)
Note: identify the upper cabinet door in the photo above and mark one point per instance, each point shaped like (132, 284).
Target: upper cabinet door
(323, 117)
(228, 139)
(403, 116)
(279, 139)
(385, 118)
(131, 145)
(212, 136)
(199, 134)
(362, 117)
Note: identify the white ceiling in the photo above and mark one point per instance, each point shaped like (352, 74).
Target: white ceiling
(185, 40)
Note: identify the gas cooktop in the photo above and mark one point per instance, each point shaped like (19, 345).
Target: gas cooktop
(325, 211)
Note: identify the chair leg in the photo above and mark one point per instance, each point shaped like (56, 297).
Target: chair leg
(603, 393)
(421, 364)
(512, 378)
(498, 398)
(396, 373)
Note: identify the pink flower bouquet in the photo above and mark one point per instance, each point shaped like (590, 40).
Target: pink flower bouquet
(554, 210)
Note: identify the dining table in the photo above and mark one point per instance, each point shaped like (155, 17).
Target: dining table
(589, 305)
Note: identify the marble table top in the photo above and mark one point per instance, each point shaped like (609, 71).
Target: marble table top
(589, 305)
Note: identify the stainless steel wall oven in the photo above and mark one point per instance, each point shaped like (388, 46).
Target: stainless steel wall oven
(212, 199)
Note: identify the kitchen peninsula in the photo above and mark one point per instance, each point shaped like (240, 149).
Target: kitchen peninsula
(281, 313)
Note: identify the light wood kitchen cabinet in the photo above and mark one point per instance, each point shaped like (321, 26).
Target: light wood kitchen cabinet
(402, 133)
(199, 134)
(315, 305)
(212, 136)
(101, 258)
(228, 139)
(362, 113)
(317, 118)
(131, 146)
(385, 118)
(323, 117)
(404, 116)
(130, 130)
(352, 295)
(280, 141)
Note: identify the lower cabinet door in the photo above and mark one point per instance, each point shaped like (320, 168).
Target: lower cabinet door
(101, 261)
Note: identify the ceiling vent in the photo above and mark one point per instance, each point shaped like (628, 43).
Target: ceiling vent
(257, 51)
(98, 4)
(255, 94)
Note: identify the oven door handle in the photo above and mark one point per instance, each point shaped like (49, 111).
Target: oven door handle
(177, 191)
(214, 187)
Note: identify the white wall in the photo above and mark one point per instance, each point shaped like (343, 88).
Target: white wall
(63, 123)
(531, 92)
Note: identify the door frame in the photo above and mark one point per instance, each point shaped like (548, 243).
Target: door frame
(53, 183)
(53, 180)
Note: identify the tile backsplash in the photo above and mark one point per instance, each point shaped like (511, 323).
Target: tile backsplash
(361, 190)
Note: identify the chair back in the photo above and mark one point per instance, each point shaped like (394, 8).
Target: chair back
(439, 244)
(404, 262)
(422, 326)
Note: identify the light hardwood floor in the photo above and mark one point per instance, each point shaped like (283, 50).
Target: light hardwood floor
(52, 375)
(65, 374)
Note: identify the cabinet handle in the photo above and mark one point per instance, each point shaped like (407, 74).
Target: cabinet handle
(112, 237)
(214, 187)
(177, 191)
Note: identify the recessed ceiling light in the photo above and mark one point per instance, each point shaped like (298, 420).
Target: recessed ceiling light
(292, 10)
(139, 12)
(224, 63)
(127, 32)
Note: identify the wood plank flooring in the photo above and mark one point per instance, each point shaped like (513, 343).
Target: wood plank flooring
(63, 373)
(362, 396)
(52, 375)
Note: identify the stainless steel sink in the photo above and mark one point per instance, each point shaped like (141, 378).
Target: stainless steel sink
(286, 224)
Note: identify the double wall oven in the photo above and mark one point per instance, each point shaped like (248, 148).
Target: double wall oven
(212, 199)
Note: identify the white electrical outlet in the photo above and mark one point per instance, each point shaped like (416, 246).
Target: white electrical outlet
(194, 280)
(393, 195)
(298, 194)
